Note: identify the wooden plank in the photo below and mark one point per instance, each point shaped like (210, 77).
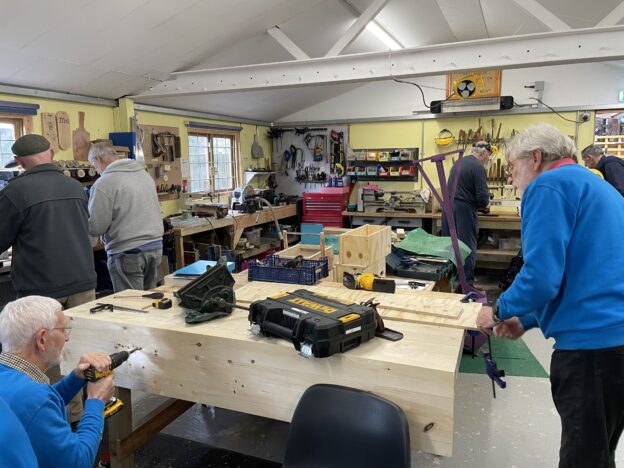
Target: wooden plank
(223, 364)
(48, 129)
(422, 302)
(63, 130)
(81, 139)
(155, 422)
(119, 427)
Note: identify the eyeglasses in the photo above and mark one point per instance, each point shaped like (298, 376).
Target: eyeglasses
(509, 167)
(66, 330)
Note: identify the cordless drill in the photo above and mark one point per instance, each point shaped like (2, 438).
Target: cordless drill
(93, 375)
(117, 359)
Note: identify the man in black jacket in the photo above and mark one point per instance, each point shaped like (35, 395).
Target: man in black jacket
(472, 196)
(611, 167)
(46, 220)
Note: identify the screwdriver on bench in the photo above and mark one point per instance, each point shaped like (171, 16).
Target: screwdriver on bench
(154, 295)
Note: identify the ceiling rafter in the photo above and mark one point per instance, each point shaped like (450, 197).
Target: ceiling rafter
(465, 19)
(357, 13)
(613, 18)
(283, 40)
(552, 48)
(356, 28)
(544, 16)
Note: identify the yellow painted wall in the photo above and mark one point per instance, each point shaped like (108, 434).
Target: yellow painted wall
(169, 207)
(421, 133)
(98, 119)
(101, 120)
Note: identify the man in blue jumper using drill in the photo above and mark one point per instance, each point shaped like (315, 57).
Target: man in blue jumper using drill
(565, 208)
(33, 331)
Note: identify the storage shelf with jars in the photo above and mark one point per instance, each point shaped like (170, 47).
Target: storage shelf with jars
(383, 164)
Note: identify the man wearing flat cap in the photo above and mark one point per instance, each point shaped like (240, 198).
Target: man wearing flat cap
(46, 220)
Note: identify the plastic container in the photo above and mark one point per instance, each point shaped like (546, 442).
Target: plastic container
(253, 236)
(272, 269)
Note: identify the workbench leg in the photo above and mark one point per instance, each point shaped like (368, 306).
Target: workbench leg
(179, 251)
(119, 427)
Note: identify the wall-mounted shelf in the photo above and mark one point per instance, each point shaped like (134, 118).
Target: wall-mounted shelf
(259, 177)
(386, 178)
(384, 153)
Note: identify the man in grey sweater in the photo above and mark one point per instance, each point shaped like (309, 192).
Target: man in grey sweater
(124, 210)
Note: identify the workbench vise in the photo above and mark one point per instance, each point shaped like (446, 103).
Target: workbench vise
(208, 297)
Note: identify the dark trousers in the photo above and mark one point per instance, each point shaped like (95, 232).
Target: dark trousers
(588, 391)
(467, 224)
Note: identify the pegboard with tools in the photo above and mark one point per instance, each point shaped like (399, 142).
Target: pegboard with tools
(307, 158)
(163, 156)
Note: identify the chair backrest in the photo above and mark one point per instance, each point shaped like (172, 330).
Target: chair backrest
(335, 426)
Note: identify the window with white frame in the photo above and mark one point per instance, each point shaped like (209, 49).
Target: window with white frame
(213, 161)
(10, 130)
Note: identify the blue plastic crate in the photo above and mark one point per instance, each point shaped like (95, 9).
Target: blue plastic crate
(272, 269)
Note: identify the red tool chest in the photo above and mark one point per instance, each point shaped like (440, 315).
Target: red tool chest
(325, 208)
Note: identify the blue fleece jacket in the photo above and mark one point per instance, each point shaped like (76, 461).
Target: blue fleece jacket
(15, 448)
(41, 410)
(572, 281)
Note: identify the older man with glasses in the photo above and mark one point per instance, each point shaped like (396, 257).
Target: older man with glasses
(572, 288)
(33, 332)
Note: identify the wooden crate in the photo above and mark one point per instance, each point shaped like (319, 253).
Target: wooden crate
(308, 252)
(378, 267)
(365, 245)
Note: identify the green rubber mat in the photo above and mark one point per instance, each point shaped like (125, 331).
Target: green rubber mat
(514, 357)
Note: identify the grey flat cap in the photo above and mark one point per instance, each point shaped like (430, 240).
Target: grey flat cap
(29, 145)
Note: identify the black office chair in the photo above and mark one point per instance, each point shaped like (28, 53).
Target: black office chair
(343, 427)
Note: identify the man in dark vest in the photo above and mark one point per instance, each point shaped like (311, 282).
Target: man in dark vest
(611, 167)
(472, 196)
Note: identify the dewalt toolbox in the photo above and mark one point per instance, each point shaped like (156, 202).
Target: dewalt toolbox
(317, 325)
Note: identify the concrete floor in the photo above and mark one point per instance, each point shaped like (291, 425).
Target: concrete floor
(520, 428)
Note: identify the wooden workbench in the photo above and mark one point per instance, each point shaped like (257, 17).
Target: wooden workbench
(221, 363)
(487, 257)
(486, 221)
(236, 223)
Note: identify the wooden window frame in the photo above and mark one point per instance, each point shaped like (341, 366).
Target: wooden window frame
(236, 158)
(23, 124)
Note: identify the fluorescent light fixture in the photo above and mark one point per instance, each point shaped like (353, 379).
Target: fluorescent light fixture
(383, 36)
(472, 105)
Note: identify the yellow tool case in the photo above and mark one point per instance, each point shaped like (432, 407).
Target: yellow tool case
(317, 325)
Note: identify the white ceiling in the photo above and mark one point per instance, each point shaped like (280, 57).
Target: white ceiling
(114, 48)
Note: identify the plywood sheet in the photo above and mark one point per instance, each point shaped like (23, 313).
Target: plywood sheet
(424, 302)
(221, 363)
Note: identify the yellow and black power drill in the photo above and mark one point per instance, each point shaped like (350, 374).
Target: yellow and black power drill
(93, 375)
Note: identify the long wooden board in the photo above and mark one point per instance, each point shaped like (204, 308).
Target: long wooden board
(48, 129)
(223, 364)
(425, 302)
(63, 130)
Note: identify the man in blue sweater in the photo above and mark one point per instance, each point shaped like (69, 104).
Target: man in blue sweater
(16, 450)
(33, 331)
(572, 289)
